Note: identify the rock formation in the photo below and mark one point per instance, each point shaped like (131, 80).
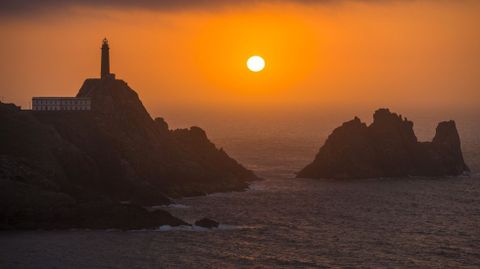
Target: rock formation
(207, 223)
(387, 148)
(50, 161)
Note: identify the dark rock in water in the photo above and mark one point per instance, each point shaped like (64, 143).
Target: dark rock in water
(207, 223)
(115, 152)
(387, 148)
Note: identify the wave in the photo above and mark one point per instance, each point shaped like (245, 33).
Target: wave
(181, 206)
(177, 206)
(194, 228)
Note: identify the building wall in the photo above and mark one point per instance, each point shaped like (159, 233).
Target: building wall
(61, 104)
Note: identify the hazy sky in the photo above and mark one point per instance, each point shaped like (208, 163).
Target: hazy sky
(188, 57)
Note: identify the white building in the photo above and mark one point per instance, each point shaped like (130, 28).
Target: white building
(61, 103)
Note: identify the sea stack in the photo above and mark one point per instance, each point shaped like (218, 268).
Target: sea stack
(387, 148)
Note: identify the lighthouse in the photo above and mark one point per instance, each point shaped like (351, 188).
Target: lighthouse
(105, 65)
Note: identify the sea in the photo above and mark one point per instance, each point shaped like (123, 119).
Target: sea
(286, 222)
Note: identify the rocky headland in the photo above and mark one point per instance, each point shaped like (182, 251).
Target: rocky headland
(387, 148)
(99, 168)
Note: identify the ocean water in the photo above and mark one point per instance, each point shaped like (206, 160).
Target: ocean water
(283, 222)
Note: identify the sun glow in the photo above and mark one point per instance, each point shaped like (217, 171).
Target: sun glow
(256, 63)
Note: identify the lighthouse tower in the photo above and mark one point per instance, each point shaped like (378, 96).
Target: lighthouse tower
(105, 68)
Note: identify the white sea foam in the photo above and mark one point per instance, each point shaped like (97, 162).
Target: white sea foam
(195, 228)
(177, 206)
(168, 228)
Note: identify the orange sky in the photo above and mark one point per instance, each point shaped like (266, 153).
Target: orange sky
(414, 54)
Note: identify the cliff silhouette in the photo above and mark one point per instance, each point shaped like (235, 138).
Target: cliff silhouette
(56, 163)
(387, 148)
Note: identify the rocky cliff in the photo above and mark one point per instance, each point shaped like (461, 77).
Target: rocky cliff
(387, 148)
(51, 161)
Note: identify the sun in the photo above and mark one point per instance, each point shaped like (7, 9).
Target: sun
(256, 63)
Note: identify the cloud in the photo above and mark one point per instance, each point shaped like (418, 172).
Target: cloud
(15, 7)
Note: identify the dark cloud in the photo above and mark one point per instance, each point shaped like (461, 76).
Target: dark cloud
(15, 7)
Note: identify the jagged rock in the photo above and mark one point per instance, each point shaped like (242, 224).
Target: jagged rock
(387, 148)
(115, 152)
(162, 125)
(207, 223)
